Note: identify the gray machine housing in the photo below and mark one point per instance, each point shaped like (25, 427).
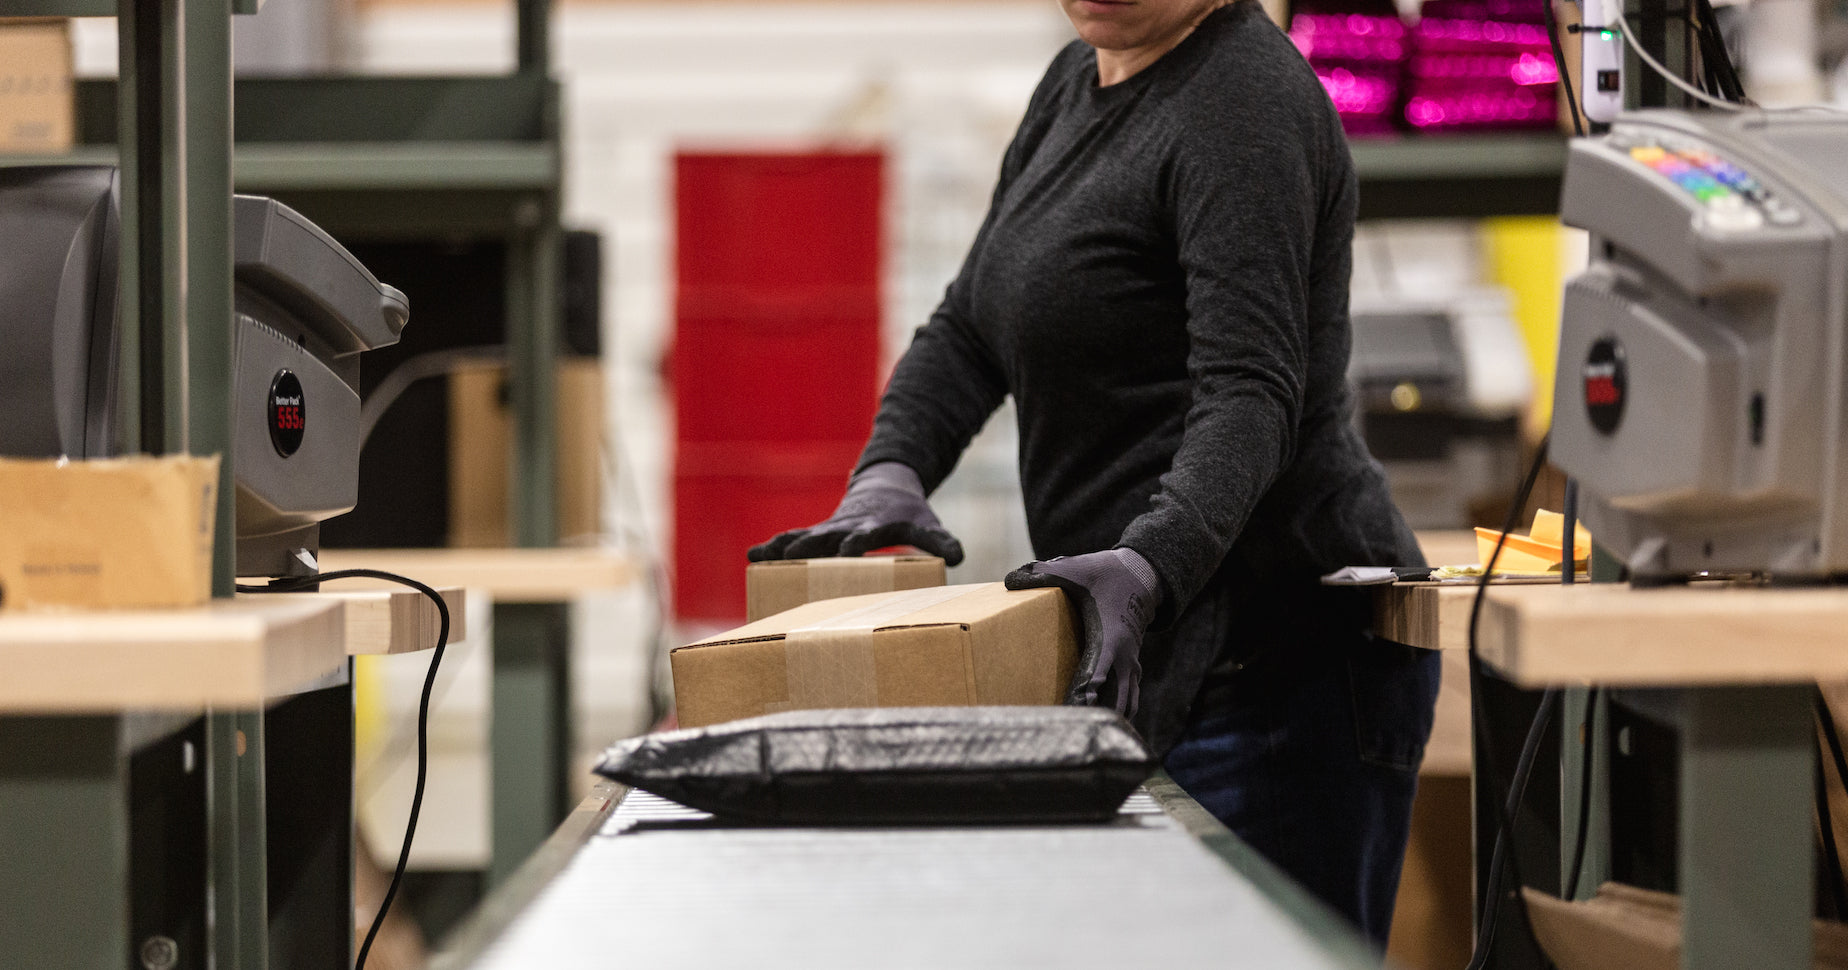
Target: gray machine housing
(1438, 388)
(60, 230)
(1700, 391)
(305, 308)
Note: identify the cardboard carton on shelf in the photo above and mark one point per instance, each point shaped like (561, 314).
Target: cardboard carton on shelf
(481, 434)
(942, 646)
(772, 587)
(37, 108)
(115, 533)
(1626, 928)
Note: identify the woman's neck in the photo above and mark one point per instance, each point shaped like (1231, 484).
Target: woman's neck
(1117, 66)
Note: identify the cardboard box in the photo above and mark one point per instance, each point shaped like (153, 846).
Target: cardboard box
(106, 533)
(944, 646)
(37, 112)
(1432, 921)
(772, 587)
(480, 439)
(1626, 928)
(1433, 925)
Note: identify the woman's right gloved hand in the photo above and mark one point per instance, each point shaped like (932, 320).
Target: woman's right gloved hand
(1116, 592)
(884, 506)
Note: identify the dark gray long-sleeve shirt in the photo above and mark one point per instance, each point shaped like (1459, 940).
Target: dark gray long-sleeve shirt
(1161, 284)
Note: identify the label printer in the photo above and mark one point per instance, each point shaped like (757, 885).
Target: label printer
(1702, 388)
(1439, 387)
(305, 309)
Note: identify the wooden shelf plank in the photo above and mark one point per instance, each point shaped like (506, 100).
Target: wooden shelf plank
(230, 654)
(400, 620)
(392, 620)
(506, 575)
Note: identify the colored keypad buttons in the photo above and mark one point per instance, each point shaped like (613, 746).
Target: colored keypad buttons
(1724, 188)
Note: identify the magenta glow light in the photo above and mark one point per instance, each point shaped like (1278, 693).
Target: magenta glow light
(1443, 31)
(1523, 69)
(1522, 107)
(1348, 37)
(1348, 24)
(1480, 64)
(1357, 93)
(1359, 58)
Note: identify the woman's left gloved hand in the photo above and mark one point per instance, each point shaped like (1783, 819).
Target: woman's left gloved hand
(1116, 592)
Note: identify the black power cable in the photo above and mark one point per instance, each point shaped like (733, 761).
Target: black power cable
(1570, 565)
(1825, 834)
(423, 714)
(1833, 737)
(1713, 53)
(1721, 78)
(1834, 740)
(1559, 66)
(1502, 860)
(1587, 747)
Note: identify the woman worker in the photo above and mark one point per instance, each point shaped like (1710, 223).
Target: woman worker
(1161, 284)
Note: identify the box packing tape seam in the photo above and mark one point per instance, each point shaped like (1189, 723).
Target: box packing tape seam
(831, 663)
(833, 578)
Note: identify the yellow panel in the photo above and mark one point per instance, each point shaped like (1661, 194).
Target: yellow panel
(369, 728)
(1524, 256)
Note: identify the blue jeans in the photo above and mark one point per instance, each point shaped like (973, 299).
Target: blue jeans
(1312, 759)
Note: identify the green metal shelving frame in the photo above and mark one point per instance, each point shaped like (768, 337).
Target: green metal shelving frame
(1460, 175)
(364, 157)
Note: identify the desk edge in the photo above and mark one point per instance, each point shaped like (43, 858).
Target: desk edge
(1320, 926)
(470, 941)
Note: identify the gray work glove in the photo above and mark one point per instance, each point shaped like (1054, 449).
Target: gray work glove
(884, 506)
(1116, 592)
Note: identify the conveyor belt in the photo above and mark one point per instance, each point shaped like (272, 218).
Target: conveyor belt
(660, 885)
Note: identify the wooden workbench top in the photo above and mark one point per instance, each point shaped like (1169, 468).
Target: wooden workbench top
(505, 575)
(1428, 615)
(230, 654)
(1432, 615)
(1610, 634)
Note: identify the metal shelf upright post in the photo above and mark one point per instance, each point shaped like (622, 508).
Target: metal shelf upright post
(175, 277)
(530, 737)
(172, 120)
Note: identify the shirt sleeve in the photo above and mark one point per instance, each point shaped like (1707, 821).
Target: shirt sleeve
(942, 391)
(1248, 197)
(950, 379)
